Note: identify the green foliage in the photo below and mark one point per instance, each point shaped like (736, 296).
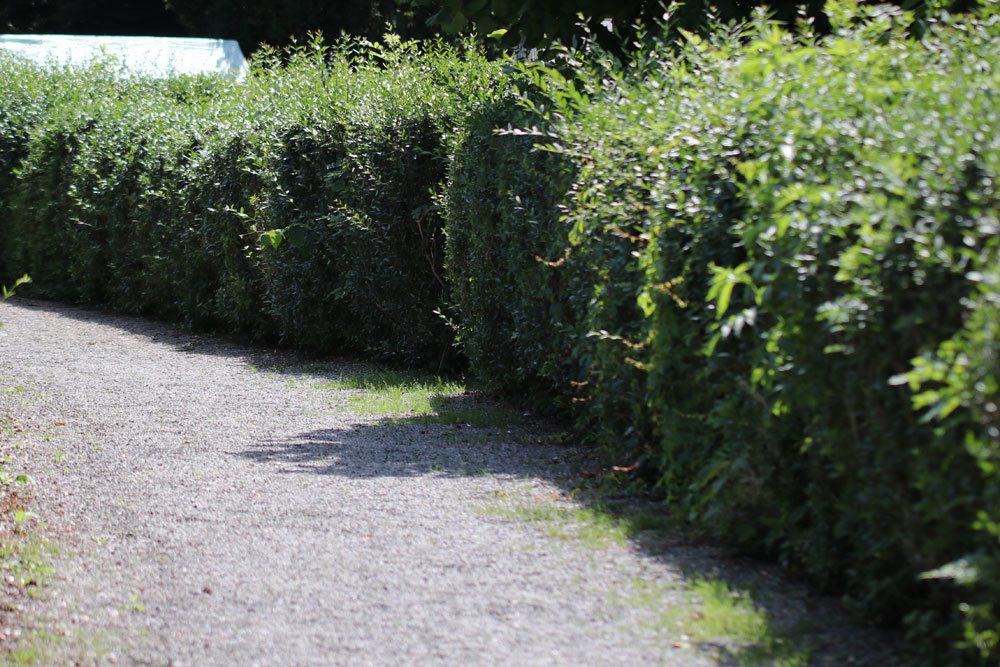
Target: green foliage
(760, 264)
(249, 21)
(779, 258)
(299, 204)
(504, 256)
(537, 23)
(7, 292)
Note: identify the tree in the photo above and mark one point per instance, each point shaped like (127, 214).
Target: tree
(535, 22)
(251, 22)
(276, 23)
(96, 17)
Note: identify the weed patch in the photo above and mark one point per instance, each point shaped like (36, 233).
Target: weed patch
(47, 647)
(387, 392)
(25, 553)
(597, 526)
(714, 616)
(413, 398)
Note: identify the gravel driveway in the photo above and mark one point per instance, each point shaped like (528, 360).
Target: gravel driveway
(210, 507)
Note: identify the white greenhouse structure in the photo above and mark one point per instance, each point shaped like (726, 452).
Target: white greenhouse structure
(157, 56)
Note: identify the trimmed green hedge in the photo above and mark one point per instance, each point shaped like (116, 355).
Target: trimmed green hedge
(514, 322)
(299, 204)
(777, 282)
(764, 267)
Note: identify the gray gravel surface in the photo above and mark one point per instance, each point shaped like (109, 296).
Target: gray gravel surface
(211, 506)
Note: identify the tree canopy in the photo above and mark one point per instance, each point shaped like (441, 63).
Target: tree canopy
(528, 23)
(249, 21)
(534, 22)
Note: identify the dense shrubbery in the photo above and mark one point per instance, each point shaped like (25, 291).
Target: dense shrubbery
(504, 234)
(760, 241)
(299, 203)
(765, 267)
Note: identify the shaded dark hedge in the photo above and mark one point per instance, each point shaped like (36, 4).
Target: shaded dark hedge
(763, 266)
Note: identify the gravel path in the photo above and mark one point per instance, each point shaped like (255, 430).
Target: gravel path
(212, 508)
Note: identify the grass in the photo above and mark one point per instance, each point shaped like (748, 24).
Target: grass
(711, 614)
(387, 392)
(587, 526)
(25, 554)
(24, 557)
(728, 620)
(596, 527)
(134, 605)
(24, 570)
(409, 397)
(707, 613)
(34, 649)
(45, 647)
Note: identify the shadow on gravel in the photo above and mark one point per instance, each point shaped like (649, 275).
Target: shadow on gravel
(167, 333)
(743, 611)
(394, 450)
(758, 617)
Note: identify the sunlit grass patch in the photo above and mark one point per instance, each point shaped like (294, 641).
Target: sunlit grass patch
(410, 397)
(725, 613)
(714, 616)
(590, 528)
(387, 392)
(704, 612)
(47, 647)
(24, 553)
(380, 379)
(596, 527)
(35, 649)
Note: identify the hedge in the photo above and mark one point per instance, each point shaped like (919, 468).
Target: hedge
(777, 282)
(298, 205)
(762, 266)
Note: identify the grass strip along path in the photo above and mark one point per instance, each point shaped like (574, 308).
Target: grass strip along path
(208, 503)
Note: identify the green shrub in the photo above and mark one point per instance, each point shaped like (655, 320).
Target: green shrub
(510, 284)
(359, 260)
(774, 230)
(87, 174)
(299, 204)
(24, 101)
(764, 266)
(402, 121)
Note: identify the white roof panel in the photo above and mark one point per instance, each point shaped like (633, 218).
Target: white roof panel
(159, 56)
